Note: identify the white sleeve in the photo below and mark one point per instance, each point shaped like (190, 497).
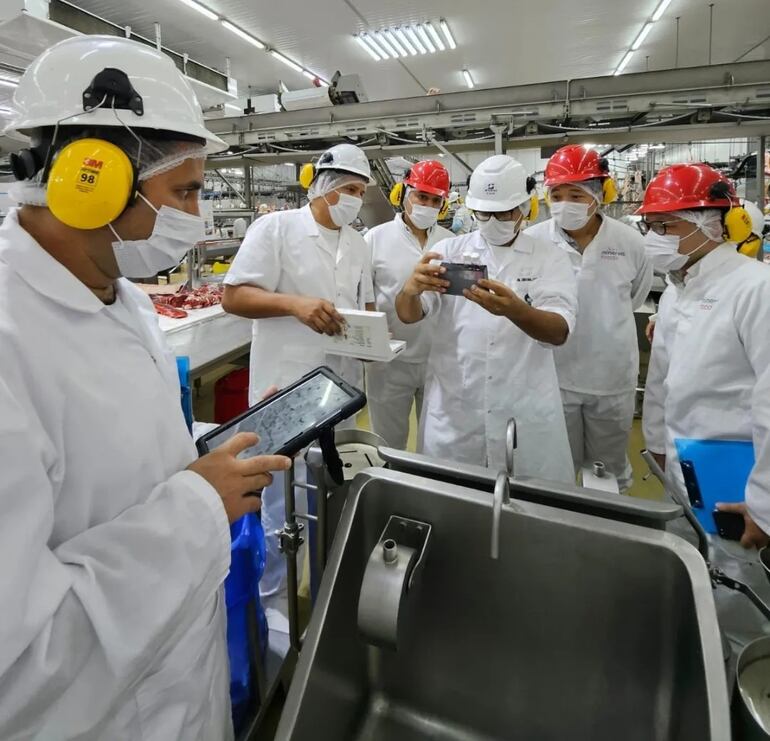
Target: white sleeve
(366, 286)
(258, 260)
(752, 319)
(90, 617)
(642, 282)
(556, 290)
(653, 410)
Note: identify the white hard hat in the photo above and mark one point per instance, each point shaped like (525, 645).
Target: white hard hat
(58, 87)
(499, 183)
(756, 216)
(345, 158)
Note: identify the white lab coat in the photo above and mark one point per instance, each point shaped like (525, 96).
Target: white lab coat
(709, 377)
(483, 369)
(113, 554)
(283, 252)
(601, 356)
(598, 366)
(393, 387)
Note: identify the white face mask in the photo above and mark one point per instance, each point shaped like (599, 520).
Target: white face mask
(423, 217)
(663, 251)
(173, 236)
(346, 210)
(569, 215)
(498, 233)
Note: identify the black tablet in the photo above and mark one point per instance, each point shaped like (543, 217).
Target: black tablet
(294, 417)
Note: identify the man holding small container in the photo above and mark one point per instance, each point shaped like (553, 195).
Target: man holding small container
(491, 358)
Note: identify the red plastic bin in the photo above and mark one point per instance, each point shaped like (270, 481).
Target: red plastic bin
(231, 395)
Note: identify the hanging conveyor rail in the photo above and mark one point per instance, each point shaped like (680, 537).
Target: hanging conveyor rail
(686, 104)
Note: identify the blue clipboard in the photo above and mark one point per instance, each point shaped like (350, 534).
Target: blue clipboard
(714, 471)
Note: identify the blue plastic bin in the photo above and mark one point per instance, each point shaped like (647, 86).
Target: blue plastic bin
(242, 589)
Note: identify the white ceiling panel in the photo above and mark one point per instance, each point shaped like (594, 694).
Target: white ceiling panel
(501, 42)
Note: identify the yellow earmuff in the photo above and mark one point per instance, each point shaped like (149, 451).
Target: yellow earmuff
(396, 197)
(534, 208)
(751, 247)
(307, 175)
(609, 191)
(737, 224)
(442, 214)
(90, 183)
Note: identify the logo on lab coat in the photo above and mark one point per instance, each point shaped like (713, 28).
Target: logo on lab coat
(707, 304)
(612, 254)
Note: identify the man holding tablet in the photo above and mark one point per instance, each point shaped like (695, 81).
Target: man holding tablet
(292, 272)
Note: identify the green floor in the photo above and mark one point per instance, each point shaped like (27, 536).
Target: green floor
(203, 402)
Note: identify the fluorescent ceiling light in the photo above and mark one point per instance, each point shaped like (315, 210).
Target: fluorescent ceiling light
(8, 83)
(642, 36)
(395, 43)
(369, 39)
(242, 34)
(436, 38)
(408, 39)
(426, 39)
(468, 79)
(309, 75)
(415, 39)
(234, 107)
(448, 34)
(624, 62)
(660, 10)
(404, 39)
(201, 9)
(282, 87)
(288, 62)
(368, 49)
(385, 43)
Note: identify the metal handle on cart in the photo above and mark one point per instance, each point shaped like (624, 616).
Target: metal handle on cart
(703, 541)
(511, 442)
(719, 577)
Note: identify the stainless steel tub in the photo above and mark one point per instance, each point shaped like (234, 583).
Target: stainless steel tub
(584, 629)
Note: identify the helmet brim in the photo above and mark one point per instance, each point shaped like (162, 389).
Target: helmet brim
(479, 204)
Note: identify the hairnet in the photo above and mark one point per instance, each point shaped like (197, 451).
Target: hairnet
(707, 220)
(329, 180)
(593, 187)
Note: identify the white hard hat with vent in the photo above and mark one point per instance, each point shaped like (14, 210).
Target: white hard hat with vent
(57, 87)
(345, 158)
(499, 183)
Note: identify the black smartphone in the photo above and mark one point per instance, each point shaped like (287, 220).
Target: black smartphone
(292, 418)
(462, 275)
(730, 525)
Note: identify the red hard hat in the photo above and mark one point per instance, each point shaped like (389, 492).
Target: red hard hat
(688, 186)
(573, 164)
(429, 176)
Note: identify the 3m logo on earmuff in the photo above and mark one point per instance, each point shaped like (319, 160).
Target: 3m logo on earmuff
(90, 183)
(88, 176)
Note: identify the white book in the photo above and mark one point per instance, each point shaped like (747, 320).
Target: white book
(365, 336)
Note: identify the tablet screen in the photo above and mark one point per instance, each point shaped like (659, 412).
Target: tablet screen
(288, 416)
